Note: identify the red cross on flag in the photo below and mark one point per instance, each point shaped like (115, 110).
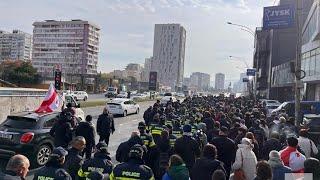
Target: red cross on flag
(51, 102)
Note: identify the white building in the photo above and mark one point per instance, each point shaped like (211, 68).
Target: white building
(134, 70)
(15, 46)
(219, 81)
(169, 54)
(71, 45)
(201, 81)
(146, 70)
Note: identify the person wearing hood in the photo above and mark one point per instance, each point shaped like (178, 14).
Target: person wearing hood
(177, 169)
(100, 162)
(207, 164)
(134, 168)
(246, 159)
(124, 148)
(54, 167)
(187, 147)
(278, 169)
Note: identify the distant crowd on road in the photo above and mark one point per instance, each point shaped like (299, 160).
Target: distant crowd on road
(200, 138)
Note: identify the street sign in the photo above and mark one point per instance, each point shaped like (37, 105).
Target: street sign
(245, 80)
(251, 72)
(57, 79)
(153, 81)
(276, 17)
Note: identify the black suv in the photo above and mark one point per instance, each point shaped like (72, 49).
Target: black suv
(27, 133)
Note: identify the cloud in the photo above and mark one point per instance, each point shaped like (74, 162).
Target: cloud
(133, 35)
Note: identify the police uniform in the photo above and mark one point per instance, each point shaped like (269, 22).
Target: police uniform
(156, 131)
(53, 170)
(176, 131)
(172, 140)
(101, 162)
(145, 137)
(134, 168)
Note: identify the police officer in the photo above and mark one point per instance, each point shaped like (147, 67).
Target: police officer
(156, 129)
(172, 138)
(62, 131)
(134, 168)
(74, 160)
(176, 129)
(53, 169)
(101, 162)
(86, 129)
(145, 137)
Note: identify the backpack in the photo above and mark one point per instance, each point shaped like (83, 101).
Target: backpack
(296, 161)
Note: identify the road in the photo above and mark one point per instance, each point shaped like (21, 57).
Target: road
(93, 97)
(123, 125)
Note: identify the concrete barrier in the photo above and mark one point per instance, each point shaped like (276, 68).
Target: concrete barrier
(10, 104)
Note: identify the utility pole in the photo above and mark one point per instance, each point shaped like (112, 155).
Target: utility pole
(298, 66)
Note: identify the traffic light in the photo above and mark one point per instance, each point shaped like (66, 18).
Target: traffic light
(57, 80)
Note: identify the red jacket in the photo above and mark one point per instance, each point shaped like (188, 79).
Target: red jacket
(286, 154)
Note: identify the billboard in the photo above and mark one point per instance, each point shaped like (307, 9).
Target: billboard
(251, 72)
(153, 81)
(276, 17)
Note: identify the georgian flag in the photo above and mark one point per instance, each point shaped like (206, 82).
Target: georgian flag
(51, 102)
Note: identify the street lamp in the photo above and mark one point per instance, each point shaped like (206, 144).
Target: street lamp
(239, 58)
(243, 28)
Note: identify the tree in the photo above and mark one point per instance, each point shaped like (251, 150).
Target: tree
(19, 72)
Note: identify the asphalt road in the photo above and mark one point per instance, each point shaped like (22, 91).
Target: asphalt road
(123, 125)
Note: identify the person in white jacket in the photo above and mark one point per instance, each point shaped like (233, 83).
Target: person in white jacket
(246, 159)
(306, 144)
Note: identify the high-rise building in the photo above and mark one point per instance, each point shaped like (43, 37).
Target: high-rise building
(15, 46)
(71, 45)
(146, 70)
(201, 81)
(134, 70)
(219, 81)
(169, 54)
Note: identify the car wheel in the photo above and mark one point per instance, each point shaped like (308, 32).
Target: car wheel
(43, 154)
(75, 98)
(125, 113)
(137, 112)
(85, 98)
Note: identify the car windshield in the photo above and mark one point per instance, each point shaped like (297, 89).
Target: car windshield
(167, 94)
(111, 89)
(20, 122)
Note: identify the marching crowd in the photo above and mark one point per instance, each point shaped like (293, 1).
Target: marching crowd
(200, 138)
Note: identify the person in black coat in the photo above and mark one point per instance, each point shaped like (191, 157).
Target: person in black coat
(207, 164)
(122, 154)
(105, 126)
(61, 131)
(271, 144)
(74, 160)
(86, 130)
(187, 147)
(148, 115)
(226, 149)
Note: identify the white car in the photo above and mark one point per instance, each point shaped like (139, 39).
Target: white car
(79, 95)
(181, 95)
(270, 108)
(268, 102)
(166, 98)
(122, 106)
(122, 94)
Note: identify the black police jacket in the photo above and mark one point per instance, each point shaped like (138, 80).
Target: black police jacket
(62, 133)
(133, 169)
(73, 162)
(105, 124)
(52, 170)
(9, 175)
(100, 162)
(122, 154)
(188, 149)
(86, 130)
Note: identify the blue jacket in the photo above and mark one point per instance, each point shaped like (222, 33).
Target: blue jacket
(279, 172)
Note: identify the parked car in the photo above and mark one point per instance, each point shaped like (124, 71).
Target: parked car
(79, 95)
(139, 96)
(70, 99)
(270, 108)
(312, 123)
(307, 107)
(122, 94)
(167, 96)
(180, 95)
(122, 106)
(111, 92)
(268, 102)
(27, 133)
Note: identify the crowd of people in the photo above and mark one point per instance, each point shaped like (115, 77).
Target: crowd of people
(200, 138)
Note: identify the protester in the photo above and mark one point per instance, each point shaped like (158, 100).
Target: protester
(105, 126)
(17, 168)
(177, 169)
(134, 168)
(278, 169)
(54, 167)
(271, 144)
(291, 157)
(256, 148)
(246, 159)
(312, 165)
(218, 175)
(207, 164)
(61, 131)
(187, 148)
(264, 171)
(86, 130)
(74, 159)
(306, 144)
(226, 149)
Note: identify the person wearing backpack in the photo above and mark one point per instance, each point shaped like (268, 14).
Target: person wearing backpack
(306, 144)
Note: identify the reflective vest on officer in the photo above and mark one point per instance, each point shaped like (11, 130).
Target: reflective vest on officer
(177, 132)
(147, 140)
(172, 140)
(157, 129)
(131, 171)
(169, 122)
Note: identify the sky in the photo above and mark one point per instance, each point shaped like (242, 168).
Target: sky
(127, 28)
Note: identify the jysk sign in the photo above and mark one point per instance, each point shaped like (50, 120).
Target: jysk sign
(276, 17)
(251, 72)
(153, 81)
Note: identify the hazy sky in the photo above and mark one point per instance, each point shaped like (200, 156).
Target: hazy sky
(127, 28)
